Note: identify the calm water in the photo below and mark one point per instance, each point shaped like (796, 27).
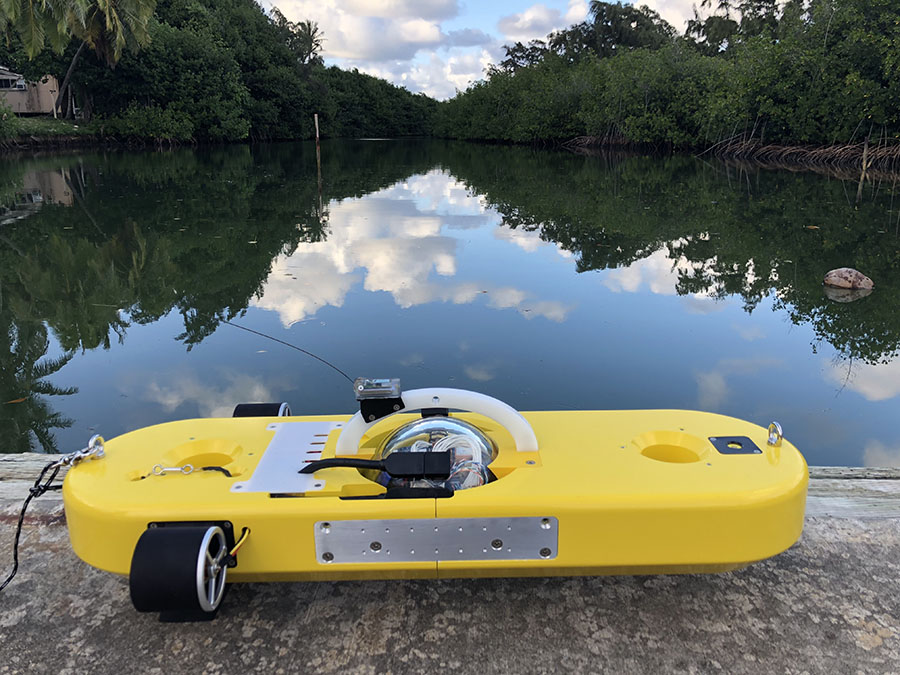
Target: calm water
(549, 280)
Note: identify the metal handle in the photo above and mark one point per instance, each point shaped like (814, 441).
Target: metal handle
(775, 435)
(461, 399)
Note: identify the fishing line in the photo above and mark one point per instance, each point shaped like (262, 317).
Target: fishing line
(288, 344)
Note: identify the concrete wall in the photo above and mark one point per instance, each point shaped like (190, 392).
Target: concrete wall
(37, 98)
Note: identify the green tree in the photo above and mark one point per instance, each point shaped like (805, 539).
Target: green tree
(25, 416)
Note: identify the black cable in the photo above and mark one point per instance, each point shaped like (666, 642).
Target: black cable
(220, 469)
(349, 462)
(36, 490)
(288, 344)
(397, 465)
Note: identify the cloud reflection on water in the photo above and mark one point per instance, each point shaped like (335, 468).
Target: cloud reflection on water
(398, 238)
(875, 382)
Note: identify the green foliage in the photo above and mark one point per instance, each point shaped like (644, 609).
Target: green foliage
(151, 123)
(107, 26)
(235, 73)
(9, 124)
(803, 71)
(225, 71)
(25, 416)
(186, 77)
(751, 241)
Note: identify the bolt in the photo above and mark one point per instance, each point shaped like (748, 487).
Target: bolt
(375, 546)
(396, 406)
(545, 523)
(530, 462)
(328, 556)
(497, 544)
(326, 527)
(545, 552)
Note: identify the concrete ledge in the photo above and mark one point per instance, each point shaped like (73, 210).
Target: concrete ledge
(829, 604)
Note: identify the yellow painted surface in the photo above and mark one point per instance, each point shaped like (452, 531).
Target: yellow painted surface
(633, 492)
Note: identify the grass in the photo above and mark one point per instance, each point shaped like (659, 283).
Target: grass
(48, 127)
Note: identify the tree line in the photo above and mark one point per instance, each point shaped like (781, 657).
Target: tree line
(821, 72)
(794, 72)
(202, 70)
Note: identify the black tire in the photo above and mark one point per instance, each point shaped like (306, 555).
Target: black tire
(173, 570)
(262, 410)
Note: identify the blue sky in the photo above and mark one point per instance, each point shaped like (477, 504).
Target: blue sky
(439, 46)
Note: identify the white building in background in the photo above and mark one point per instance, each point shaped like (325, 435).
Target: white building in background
(28, 98)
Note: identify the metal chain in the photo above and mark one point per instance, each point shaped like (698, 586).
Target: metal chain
(44, 483)
(94, 449)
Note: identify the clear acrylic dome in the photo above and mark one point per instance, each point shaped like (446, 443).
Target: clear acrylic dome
(471, 451)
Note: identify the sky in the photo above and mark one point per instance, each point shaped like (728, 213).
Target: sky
(440, 46)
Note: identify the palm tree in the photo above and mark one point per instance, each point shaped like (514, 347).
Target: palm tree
(304, 39)
(309, 41)
(24, 415)
(107, 26)
(39, 23)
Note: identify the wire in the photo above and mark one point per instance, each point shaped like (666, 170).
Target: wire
(288, 344)
(36, 490)
(240, 542)
(347, 462)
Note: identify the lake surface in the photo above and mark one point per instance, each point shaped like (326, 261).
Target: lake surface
(546, 279)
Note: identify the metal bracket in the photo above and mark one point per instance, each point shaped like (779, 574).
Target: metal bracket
(292, 447)
(735, 445)
(436, 540)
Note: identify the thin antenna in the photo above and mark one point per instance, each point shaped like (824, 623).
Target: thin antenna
(288, 344)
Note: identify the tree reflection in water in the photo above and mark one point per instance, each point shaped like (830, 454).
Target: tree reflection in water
(128, 238)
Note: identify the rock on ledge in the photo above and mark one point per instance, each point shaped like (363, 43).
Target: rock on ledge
(847, 277)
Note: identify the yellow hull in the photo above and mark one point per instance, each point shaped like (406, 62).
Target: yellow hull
(618, 492)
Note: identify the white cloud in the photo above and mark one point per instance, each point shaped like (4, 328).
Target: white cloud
(878, 454)
(875, 382)
(529, 240)
(479, 373)
(659, 271)
(749, 332)
(378, 31)
(442, 76)
(212, 401)
(426, 9)
(712, 390)
(676, 12)
(394, 245)
(712, 386)
(536, 22)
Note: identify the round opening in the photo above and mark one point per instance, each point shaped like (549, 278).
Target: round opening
(671, 447)
(674, 454)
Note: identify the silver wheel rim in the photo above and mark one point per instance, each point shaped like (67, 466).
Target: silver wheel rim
(211, 569)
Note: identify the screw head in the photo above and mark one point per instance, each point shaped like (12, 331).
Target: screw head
(375, 546)
(497, 544)
(328, 556)
(545, 552)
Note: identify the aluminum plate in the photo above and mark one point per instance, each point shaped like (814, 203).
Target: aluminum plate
(293, 445)
(435, 540)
